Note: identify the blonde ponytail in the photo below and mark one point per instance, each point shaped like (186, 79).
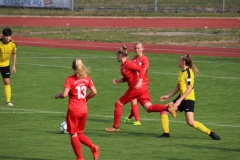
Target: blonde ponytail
(79, 68)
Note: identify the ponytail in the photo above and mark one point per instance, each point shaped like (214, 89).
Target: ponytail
(79, 68)
(123, 50)
(189, 63)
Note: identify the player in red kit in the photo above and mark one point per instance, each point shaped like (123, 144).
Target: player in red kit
(141, 60)
(133, 75)
(76, 87)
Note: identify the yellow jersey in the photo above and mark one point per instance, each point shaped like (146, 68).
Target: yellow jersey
(186, 78)
(5, 52)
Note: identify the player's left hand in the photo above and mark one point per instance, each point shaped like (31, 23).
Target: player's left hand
(14, 70)
(139, 85)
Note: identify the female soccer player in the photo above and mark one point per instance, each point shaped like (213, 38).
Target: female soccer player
(7, 47)
(76, 87)
(186, 99)
(141, 60)
(133, 75)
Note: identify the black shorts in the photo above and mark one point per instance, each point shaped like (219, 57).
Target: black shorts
(5, 71)
(185, 105)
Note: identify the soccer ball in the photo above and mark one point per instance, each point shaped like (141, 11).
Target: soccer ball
(63, 127)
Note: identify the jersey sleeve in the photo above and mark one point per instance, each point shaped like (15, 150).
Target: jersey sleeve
(67, 83)
(145, 63)
(14, 47)
(90, 82)
(135, 67)
(192, 79)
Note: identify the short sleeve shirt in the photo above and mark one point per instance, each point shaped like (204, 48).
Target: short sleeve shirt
(5, 52)
(186, 78)
(131, 73)
(143, 63)
(78, 92)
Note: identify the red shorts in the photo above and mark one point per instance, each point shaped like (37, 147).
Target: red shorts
(76, 121)
(144, 98)
(132, 94)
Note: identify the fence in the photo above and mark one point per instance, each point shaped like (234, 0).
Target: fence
(158, 5)
(131, 5)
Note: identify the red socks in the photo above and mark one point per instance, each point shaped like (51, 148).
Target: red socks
(118, 112)
(76, 147)
(117, 115)
(135, 112)
(156, 108)
(85, 140)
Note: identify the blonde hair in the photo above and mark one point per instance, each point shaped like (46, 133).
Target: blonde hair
(138, 43)
(79, 68)
(123, 50)
(189, 63)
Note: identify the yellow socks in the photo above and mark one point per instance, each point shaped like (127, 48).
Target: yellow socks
(165, 122)
(199, 126)
(7, 90)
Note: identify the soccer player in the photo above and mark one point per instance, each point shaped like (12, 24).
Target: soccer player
(133, 75)
(141, 60)
(7, 47)
(76, 87)
(186, 99)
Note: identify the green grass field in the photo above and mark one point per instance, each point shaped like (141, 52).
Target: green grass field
(30, 129)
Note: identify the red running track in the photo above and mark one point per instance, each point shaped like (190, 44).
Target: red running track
(122, 22)
(128, 23)
(107, 46)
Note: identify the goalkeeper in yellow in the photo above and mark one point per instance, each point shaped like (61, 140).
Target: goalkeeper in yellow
(186, 99)
(7, 48)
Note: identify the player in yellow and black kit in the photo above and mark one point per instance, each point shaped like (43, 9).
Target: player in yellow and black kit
(7, 47)
(186, 99)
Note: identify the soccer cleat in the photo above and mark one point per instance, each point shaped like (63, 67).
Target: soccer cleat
(171, 110)
(95, 152)
(9, 104)
(164, 135)
(214, 136)
(112, 129)
(126, 119)
(137, 123)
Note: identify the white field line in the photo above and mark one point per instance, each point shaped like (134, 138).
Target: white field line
(109, 57)
(109, 70)
(108, 46)
(30, 111)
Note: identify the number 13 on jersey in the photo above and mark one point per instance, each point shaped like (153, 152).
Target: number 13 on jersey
(82, 92)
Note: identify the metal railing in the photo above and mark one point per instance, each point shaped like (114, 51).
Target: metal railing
(155, 6)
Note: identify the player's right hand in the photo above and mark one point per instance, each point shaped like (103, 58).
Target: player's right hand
(163, 98)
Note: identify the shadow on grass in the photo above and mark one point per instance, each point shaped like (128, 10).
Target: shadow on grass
(124, 133)
(95, 120)
(21, 158)
(210, 147)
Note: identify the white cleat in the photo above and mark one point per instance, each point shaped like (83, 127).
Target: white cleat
(9, 104)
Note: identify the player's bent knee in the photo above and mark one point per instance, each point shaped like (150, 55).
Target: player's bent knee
(190, 124)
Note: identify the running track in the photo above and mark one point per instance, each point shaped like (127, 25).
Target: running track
(124, 23)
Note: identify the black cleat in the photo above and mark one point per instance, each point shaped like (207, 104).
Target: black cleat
(164, 135)
(214, 136)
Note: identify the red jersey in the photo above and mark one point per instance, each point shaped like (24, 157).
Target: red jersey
(143, 63)
(78, 92)
(131, 73)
